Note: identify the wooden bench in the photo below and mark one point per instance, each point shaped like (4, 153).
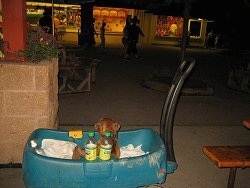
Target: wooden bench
(77, 73)
(85, 72)
(71, 72)
(92, 63)
(232, 157)
(70, 56)
(239, 79)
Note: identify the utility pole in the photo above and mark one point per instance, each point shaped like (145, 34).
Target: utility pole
(185, 29)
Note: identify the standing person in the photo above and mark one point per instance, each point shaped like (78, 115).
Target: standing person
(46, 21)
(125, 36)
(209, 39)
(134, 32)
(102, 34)
(64, 20)
(56, 24)
(92, 33)
(216, 40)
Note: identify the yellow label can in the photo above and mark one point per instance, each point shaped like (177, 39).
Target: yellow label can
(105, 152)
(90, 154)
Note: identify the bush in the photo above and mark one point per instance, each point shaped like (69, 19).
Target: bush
(41, 46)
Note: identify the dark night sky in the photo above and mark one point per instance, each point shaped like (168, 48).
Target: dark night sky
(220, 9)
(231, 17)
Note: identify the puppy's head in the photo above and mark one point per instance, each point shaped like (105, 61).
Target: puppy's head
(107, 124)
(78, 153)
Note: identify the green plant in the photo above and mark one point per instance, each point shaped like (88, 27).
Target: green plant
(33, 18)
(41, 45)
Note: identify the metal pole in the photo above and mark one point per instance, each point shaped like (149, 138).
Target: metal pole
(185, 30)
(53, 24)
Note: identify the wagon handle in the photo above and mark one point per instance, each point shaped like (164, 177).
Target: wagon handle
(170, 104)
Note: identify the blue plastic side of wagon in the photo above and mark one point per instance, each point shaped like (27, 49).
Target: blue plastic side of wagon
(152, 168)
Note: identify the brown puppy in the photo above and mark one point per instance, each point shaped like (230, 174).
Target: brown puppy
(78, 153)
(107, 124)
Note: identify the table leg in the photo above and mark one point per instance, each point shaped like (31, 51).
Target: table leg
(93, 72)
(231, 178)
(85, 81)
(63, 84)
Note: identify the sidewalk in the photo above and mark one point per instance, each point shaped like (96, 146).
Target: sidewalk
(200, 120)
(118, 90)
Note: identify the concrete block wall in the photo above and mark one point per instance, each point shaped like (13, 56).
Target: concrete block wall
(28, 100)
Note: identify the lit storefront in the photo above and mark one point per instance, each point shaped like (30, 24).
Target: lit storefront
(169, 26)
(71, 12)
(169, 30)
(114, 17)
(157, 29)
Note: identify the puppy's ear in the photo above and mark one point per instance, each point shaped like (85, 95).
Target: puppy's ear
(98, 124)
(116, 127)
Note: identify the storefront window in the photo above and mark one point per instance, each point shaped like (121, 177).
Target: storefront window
(195, 28)
(169, 26)
(73, 15)
(115, 18)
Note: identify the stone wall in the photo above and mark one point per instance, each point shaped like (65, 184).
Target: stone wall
(28, 100)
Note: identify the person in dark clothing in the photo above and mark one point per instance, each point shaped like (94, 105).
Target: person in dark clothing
(46, 21)
(125, 36)
(134, 31)
(91, 35)
(102, 34)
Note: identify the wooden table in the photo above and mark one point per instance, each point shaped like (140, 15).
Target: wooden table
(232, 157)
(246, 123)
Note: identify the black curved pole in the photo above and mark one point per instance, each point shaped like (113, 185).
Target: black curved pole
(170, 105)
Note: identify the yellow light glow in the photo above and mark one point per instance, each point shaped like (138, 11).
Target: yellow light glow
(50, 4)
